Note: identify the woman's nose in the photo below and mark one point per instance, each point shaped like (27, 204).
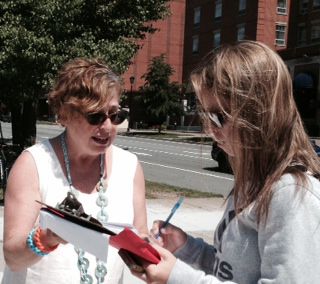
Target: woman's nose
(107, 124)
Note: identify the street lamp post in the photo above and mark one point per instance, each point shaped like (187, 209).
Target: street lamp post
(132, 79)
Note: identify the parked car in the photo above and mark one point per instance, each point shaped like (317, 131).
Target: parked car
(221, 157)
(315, 147)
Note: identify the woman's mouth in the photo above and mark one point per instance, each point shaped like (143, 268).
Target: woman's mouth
(100, 140)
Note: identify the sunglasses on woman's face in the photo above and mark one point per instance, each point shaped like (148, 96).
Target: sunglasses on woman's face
(217, 118)
(98, 118)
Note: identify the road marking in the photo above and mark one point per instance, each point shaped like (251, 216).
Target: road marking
(197, 153)
(164, 152)
(142, 154)
(161, 142)
(190, 171)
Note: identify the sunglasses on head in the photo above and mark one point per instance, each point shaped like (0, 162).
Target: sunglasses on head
(217, 118)
(98, 118)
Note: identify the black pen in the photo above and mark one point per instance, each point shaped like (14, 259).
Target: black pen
(173, 210)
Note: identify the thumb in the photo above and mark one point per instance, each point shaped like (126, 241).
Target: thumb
(164, 253)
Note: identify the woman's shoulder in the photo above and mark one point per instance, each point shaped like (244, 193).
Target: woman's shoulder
(289, 187)
(39, 146)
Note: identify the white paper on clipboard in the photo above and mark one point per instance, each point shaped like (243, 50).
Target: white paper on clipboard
(89, 240)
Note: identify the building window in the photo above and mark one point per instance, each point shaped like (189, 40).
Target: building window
(241, 32)
(242, 6)
(216, 38)
(316, 3)
(195, 44)
(315, 32)
(197, 16)
(280, 34)
(302, 35)
(282, 7)
(218, 9)
(303, 6)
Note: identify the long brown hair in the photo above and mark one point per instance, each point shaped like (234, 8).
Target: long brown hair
(253, 86)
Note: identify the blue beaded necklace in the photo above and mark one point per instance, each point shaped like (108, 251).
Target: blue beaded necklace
(102, 216)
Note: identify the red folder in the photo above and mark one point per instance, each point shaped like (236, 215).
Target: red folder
(129, 241)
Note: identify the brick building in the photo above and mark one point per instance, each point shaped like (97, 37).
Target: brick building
(167, 40)
(210, 23)
(303, 59)
(291, 27)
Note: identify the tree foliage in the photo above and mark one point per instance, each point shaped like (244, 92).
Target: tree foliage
(161, 97)
(37, 37)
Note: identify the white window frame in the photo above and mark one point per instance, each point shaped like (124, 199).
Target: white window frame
(282, 9)
(280, 41)
(195, 44)
(218, 9)
(196, 16)
(242, 5)
(241, 32)
(216, 38)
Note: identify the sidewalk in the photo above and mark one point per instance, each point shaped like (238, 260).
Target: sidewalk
(197, 216)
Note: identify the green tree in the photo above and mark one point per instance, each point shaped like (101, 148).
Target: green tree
(161, 97)
(37, 37)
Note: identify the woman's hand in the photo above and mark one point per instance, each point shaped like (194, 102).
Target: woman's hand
(171, 237)
(158, 273)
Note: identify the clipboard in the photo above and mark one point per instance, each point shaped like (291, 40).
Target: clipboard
(90, 223)
(133, 250)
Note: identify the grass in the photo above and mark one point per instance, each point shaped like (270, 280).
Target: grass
(155, 190)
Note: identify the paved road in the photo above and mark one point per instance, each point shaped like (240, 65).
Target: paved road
(179, 164)
(197, 216)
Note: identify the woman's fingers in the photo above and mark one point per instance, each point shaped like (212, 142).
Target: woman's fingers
(170, 237)
(159, 273)
(156, 227)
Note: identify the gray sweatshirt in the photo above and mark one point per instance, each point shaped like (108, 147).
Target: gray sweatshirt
(284, 249)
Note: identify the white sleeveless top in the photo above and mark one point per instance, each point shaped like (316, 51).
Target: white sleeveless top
(60, 266)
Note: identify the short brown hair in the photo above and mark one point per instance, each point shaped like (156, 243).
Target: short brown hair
(83, 85)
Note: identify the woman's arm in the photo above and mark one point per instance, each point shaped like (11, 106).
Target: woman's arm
(289, 241)
(197, 253)
(193, 251)
(173, 271)
(139, 201)
(21, 213)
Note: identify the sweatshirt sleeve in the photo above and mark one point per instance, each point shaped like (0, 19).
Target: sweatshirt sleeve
(183, 273)
(289, 241)
(197, 253)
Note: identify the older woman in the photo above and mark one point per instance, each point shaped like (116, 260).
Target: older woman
(107, 180)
